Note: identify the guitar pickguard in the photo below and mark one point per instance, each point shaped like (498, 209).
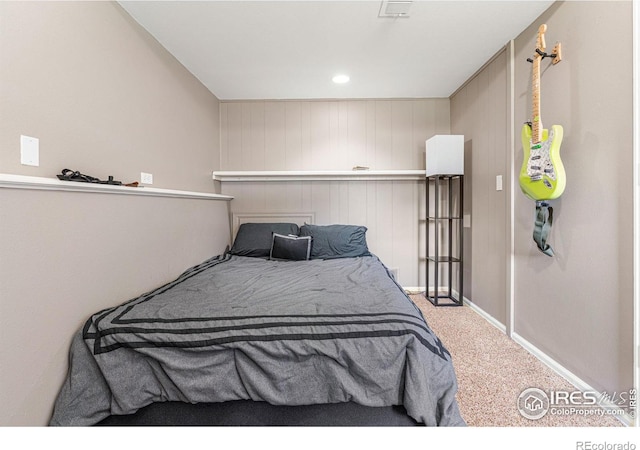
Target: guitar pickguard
(542, 174)
(540, 163)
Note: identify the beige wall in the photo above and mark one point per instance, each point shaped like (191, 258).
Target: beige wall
(337, 135)
(103, 97)
(65, 256)
(479, 112)
(577, 307)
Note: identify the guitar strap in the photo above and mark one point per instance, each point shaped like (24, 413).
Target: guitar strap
(542, 227)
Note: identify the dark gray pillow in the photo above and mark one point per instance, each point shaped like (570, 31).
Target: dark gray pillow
(254, 239)
(294, 248)
(336, 241)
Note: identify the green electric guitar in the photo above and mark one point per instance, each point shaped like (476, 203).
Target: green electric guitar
(542, 174)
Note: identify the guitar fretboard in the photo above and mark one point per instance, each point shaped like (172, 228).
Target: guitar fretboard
(536, 122)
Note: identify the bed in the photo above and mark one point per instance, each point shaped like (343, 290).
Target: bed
(300, 318)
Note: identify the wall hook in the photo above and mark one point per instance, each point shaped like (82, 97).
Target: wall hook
(556, 55)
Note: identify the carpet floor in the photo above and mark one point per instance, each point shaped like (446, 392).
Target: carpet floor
(493, 370)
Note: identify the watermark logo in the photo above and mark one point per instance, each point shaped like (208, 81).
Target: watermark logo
(589, 445)
(533, 403)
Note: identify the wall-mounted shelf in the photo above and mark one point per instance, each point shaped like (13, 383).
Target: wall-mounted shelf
(311, 175)
(53, 184)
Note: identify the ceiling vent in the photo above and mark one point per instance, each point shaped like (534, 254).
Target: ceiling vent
(395, 9)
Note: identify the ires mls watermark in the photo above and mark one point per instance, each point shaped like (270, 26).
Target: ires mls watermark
(534, 403)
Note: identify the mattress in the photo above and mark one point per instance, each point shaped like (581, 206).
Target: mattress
(281, 332)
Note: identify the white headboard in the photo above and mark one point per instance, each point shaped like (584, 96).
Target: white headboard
(297, 218)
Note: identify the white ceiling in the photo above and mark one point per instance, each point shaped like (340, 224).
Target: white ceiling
(291, 49)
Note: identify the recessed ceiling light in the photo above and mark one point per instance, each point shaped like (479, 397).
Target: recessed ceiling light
(341, 79)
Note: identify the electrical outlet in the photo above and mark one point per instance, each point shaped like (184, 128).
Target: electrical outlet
(146, 178)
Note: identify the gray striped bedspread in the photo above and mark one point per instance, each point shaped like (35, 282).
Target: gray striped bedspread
(283, 332)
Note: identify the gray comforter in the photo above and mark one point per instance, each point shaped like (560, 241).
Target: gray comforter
(283, 332)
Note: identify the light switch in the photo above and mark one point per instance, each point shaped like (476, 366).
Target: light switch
(498, 182)
(466, 220)
(29, 151)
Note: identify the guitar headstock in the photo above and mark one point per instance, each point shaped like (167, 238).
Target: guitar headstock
(540, 43)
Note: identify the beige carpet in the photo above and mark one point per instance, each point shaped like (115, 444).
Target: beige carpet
(493, 370)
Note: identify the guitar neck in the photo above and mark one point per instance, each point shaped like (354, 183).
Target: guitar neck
(536, 122)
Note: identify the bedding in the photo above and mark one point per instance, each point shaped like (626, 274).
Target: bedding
(292, 248)
(254, 239)
(245, 328)
(336, 241)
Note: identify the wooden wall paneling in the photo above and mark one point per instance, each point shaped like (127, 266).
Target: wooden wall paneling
(277, 196)
(423, 127)
(479, 111)
(224, 130)
(293, 154)
(246, 148)
(248, 197)
(320, 141)
(340, 195)
(383, 142)
(253, 149)
(233, 136)
(357, 202)
(401, 133)
(356, 146)
(329, 135)
(389, 209)
(384, 222)
(498, 126)
(483, 179)
(305, 157)
(404, 250)
(370, 135)
(274, 136)
(416, 243)
(307, 197)
(337, 135)
(421, 223)
(320, 201)
(370, 221)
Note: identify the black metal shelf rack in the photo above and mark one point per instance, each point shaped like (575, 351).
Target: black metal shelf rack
(441, 251)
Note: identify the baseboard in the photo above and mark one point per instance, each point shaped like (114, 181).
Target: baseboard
(413, 290)
(466, 302)
(572, 378)
(625, 418)
(485, 315)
